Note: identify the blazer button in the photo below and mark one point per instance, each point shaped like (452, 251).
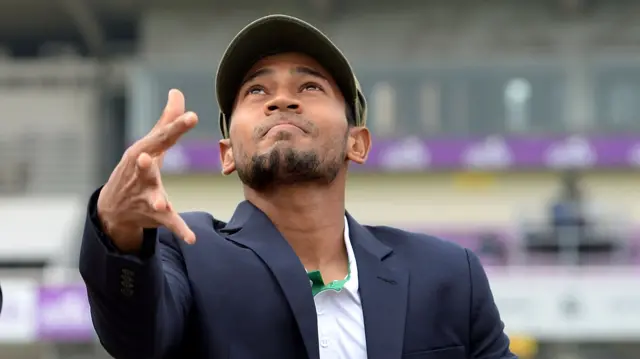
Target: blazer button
(127, 292)
(127, 272)
(126, 282)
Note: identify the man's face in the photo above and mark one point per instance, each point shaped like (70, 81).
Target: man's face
(288, 125)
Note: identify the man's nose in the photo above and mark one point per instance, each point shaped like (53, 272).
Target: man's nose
(283, 103)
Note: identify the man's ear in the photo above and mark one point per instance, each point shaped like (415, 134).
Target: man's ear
(226, 157)
(359, 144)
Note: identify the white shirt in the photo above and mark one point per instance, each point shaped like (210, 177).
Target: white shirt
(341, 332)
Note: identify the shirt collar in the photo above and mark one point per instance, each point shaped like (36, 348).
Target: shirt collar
(352, 284)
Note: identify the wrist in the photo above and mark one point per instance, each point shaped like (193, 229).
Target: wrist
(126, 237)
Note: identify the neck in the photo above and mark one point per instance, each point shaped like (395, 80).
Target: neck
(310, 218)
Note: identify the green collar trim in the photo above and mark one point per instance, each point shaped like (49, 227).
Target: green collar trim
(318, 286)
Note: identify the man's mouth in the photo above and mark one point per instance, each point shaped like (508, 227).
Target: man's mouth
(284, 126)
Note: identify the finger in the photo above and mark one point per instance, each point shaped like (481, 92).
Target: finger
(146, 168)
(166, 136)
(178, 226)
(158, 199)
(174, 108)
(159, 202)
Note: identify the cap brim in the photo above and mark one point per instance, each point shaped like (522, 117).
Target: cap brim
(275, 34)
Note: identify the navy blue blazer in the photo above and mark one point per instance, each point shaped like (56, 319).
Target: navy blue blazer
(240, 292)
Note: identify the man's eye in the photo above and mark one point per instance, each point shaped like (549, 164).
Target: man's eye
(255, 90)
(311, 87)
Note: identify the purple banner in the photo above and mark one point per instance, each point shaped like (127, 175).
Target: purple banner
(482, 153)
(63, 314)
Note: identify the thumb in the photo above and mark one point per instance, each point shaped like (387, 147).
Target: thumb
(174, 222)
(175, 106)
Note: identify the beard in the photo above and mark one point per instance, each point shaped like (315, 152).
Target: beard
(288, 166)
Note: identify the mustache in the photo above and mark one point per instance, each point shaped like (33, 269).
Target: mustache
(290, 118)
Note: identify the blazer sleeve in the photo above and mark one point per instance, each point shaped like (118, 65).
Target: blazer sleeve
(488, 340)
(139, 304)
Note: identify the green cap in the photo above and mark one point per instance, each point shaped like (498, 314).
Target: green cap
(275, 34)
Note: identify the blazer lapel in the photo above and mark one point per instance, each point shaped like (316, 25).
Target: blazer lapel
(384, 282)
(251, 228)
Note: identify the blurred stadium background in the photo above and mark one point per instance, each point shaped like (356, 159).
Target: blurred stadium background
(509, 126)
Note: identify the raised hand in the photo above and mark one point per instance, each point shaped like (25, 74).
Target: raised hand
(134, 198)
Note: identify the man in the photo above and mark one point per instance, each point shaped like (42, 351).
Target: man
(292, 275)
